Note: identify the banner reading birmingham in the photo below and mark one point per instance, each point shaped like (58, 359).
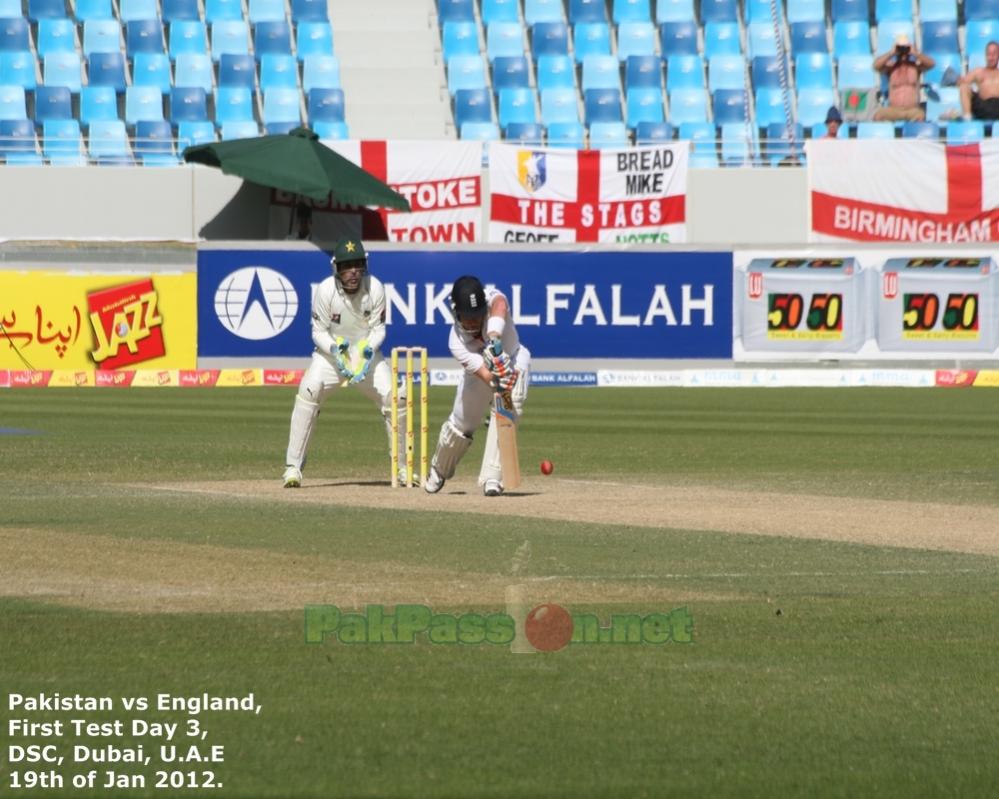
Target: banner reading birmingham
(636, 195)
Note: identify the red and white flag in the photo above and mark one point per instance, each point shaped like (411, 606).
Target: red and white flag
(543, 194)
(911, 190)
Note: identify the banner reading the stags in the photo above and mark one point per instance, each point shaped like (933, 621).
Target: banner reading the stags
(912, 190)
(441, 180)
(636, 195)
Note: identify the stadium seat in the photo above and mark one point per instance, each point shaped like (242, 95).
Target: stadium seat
(888, 30)
(813, 104)
(981, 9)
(282, 105)
(566, 134)
(17, 142)
(314, 38)
(941, 62)
(644, 104)
(465, 72)
(188, 104)
(631, 11)
(813, 71)
(321, 72)
(63, 69)
(46, 9)
(12, 103)
(702, 136)
(459, 38)
(556, 72)
(272, 36)
(152, 69)
(278, 71)
(472, 105)
(309, 11)
(978, 33)
(722, 38)
(549, 38)
(62, 143)
(499, 11)
(223, 10)
(678, 38)
(601, 72)
(143, 103)
(920, 130)
(808, 37)
(239, 130)
(233, 104)
(687, 105)
(14, 35)
(770, 107)
(611, 135)
(945, 105)
(635, 38)
(52, 103)
(131, 10)
(511, 72)
(265, 11)
(18, 69)
(326, 105)
(875, 130)
(851, 37)
(536, 11)
(760, 39)
(107, 69)
(726, 72)
(192, 132)
(653, 132)
(675, 11)
(187, 36)
(154, 143)
(524, 133)
(591, 38)
(479, 131)
(558, 105)
(730, 105)
(229, 36)
(194, 69)
(643, 71)
(454, 10)
(602, 105)
(237, 70)
(856, 72)
(893, 9)
(516, 105)
(587, 11)
(738, 145)
(778, 144)
(87, 10)
(961, 132)
(765, 72)
(850, 10)
(504, 39)
(180, 10)
(719, 11)
(101, 36)
(107, 142)
(143, 36)
(940, 37)
(56, 35)
(759, 11)
(806, 11)
(685, 72)
(331, 130)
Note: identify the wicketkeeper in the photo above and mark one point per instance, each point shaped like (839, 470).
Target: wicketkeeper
(484, 341)
(348, 328)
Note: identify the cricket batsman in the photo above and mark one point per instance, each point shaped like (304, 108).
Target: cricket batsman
(484, 341)
(348, 328)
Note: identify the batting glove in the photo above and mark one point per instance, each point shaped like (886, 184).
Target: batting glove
(505, 382)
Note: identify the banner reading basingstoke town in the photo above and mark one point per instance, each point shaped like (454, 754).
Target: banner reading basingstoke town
(636, 195)
(912, 190)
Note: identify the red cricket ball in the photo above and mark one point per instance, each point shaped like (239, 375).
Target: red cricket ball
(547, 467)
(548, 627)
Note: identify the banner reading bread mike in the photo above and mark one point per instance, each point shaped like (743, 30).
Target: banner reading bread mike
(909, 190)
(636, 195)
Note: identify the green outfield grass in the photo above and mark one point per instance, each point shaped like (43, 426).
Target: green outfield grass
(818, 668)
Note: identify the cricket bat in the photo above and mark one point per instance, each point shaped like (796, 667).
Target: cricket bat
(505, 419)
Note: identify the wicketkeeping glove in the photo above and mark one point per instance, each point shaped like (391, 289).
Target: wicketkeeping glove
(340, 349)
(362, 373)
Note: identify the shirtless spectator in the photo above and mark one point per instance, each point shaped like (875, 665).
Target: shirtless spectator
(982, 102)
(903, 65)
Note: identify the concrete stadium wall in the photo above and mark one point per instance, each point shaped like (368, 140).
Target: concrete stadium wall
(192, 203)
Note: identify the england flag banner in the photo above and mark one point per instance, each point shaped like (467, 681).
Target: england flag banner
(636, 195)
(442, 181)
(914, 190)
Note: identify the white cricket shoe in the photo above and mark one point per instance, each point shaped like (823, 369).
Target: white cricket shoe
(434, 482)
(292, 477)
(492, 488)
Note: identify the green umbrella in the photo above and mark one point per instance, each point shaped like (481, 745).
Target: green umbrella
(297, 162)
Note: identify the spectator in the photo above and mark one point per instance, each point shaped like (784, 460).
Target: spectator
(903, 65)
(982, 102)
(833, 121)
(303, 216)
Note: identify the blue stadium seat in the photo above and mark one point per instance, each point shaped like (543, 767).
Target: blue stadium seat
(635, 38)
(687, 105)
(230, 36)
(93, 9)
(12, 103)
(233, 104)
(14, 35)
(143, 36)
(941, 62)
(222, 10)
(570, 135)
(730, 105)
(271, 37)
(536, 11)
(131, 10)
(9, 9)
(52, 103)
(465, 72)
(813, 104)
(875, 130)
(281, 128)
(591, 38)
(326, 105)
(504, 39)
(278, 72)
(174, 10)
(152, 69)
(187, 36)
(653, 132)
(726, 72)
(738, 145)
(893, 9)
(938, 10)
(675, 11)
(321, 72)
(63, 69)
(611, 135)
(556, 72)
(237, 70)
(107, 142)
(778, 144)
(587, 11)
(107, 69)
(459, 38)
(769, 107)
(806, 11)
(760, 11)
(920, 130)
(479, 131)
(17, 142)
(62, 143)
(856, 72)
(524, 133)
(331, 130)
(602, 105)
(240, 130)
(97, 103)
(981, 9)
(188, 104)
(813, 71)
(558, 105)
(851, 37)
(760, 39)
(808, 37)
(309, 11)
(194, 69)
(702, 136)
(56, 35)
(765, 73)
(678, 38)
(193, 132)
(940, 37)
(265, 11)
(644, 104)
(685, 72)
(961, 132)
(643, 71)
(472, 105)
(850, 9)
(719, 11)
(978, 33)
(154, 143)
(101, 36)
(46, 9)
(314, 38)
(511, 72)
(945, 105)
(601, 72)
(499, 11)
(18, 69)
(143, 103)
(549, 38)
(282, 105)
(455, 10)
(631, 11)
(889, 29)
(722, 38)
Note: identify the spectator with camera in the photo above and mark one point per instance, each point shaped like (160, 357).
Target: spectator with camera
(980, 87)
(903, 66)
